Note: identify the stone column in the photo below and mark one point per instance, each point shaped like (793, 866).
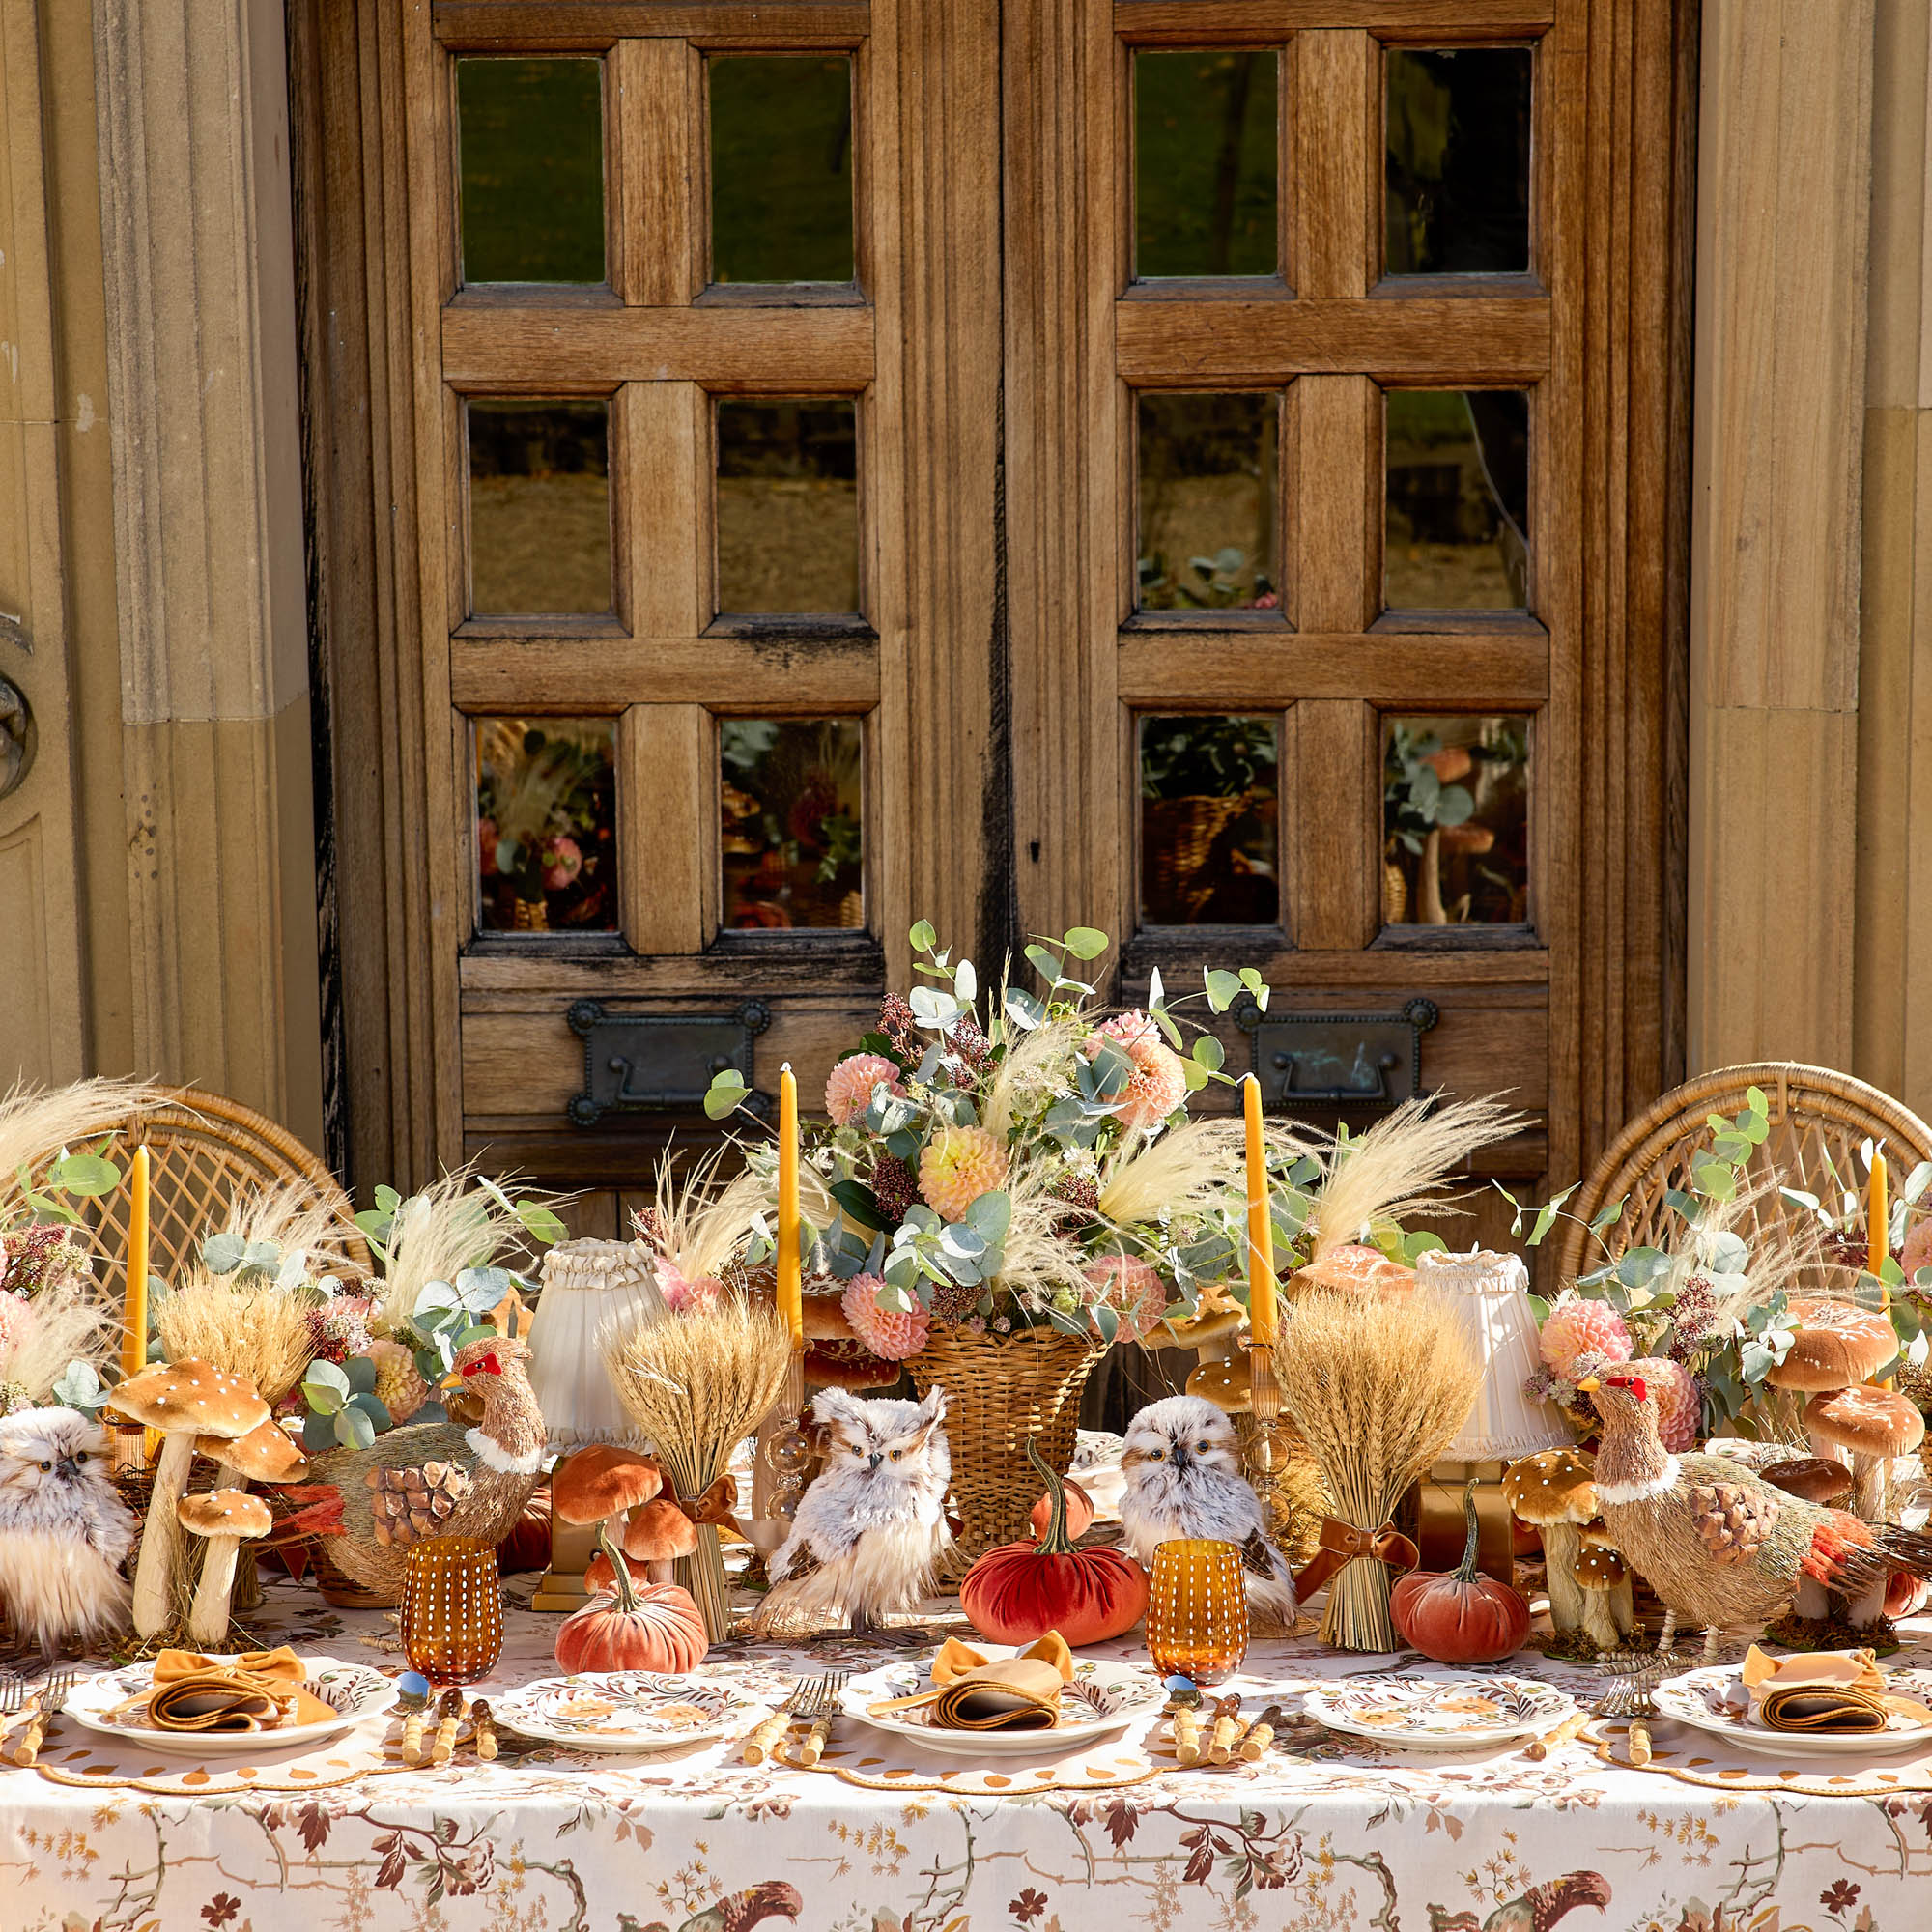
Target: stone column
(192, 118)
(1783, 258)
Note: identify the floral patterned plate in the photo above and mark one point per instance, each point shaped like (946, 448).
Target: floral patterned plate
(1712, 1700)
(1102, 1698)
(630, 1710)
(354, 1690)
(1459, 1712)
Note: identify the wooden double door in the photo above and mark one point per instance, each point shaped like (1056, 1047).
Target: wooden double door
(1199, 468)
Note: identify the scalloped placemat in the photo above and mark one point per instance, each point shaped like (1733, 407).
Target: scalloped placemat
(882, 1761)
(1696, 1757)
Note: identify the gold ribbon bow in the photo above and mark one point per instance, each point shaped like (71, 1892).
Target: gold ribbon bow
(1347, 1542)
(714, 1505)
(255, 1690)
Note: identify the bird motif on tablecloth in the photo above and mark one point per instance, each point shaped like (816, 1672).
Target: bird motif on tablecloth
(438, 1478)
(739, 1912)
(1183, 1479)
(1536, 1910)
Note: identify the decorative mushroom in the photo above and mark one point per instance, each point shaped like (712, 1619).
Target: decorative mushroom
(603, 1484)
(1557, 1490)
(1833, 1345)
(1225, 1381)
(225, 1518)
(1872, 1426)
(1604, 1577)
(182, 1400)
(1813, 1479)
(655, 1537)
(264, 1455)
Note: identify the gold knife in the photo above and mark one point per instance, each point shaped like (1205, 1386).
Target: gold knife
(450, 1711)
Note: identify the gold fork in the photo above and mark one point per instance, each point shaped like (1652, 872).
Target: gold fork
(52, 1696)
(759, 1747)
(13, 1701)
(811, 1746)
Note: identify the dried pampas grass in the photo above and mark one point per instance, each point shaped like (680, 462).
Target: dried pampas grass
(702, 1223)
(1035, 1065)
(697, 1385)
(1187, 1169)
(449, 1226)
(250, 1327)
(36, 1121)
(70, 1321)
(297, 1223)
(1377, 1390)
(1402, 1166)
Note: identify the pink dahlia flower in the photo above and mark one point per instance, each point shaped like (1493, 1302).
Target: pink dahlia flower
(1669, 1386)
(1578, 1326)
(960, 1164)
(17, 1319)
(848, 1088)
(890, 1333)
(1133, 1286)
(562, 861)
(1157, 1084)
(682, 1291)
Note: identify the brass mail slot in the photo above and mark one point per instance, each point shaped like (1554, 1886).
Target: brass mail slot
(1369, 1059)
(656, 1063)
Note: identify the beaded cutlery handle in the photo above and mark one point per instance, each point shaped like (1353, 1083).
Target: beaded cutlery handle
(763, 1741)
(413, 1736)
(811, 1746)
(1187, 1736)
(1539, 1748)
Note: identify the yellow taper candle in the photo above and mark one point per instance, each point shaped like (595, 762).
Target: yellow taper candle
(791, 1304)
(1878, 1218)
(1262, 1319)
(134, 1336)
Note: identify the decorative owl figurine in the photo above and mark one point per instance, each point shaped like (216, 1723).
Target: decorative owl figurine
(871, 1528)
(64, 1531)
(1183, 1479)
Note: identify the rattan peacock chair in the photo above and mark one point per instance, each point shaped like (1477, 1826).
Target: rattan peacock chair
(1818, 1120)
(204, 1149)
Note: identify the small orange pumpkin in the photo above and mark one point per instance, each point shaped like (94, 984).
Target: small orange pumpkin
(1460, 1618)
(1019, 1592)
(1079, 1512)
(633, 1627)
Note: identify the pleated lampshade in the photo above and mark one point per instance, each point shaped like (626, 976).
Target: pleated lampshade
(587, 1288)
(1492, 1292)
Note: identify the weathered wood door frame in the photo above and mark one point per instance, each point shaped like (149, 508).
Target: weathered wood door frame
(994, 210)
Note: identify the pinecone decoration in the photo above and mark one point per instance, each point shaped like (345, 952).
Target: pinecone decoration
(896, 1023)
(972, 1045)
(1731, 1523)
(953, 1301)
(894, 1187)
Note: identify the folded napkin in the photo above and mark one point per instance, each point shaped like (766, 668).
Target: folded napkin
(256, 1690)
(971, 1692)
(1840, 1690)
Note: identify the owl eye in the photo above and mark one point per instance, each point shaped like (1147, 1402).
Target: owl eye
(896, 1454)
(1154, 1455)
(1202, 1446)
(45, 1466)
(79, 1457)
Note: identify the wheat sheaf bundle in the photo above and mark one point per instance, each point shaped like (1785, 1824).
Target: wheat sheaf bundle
(253, 1327)
(1379, 1388)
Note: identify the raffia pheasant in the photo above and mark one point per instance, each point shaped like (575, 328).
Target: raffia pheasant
(437, 1478)
(1720, 1548)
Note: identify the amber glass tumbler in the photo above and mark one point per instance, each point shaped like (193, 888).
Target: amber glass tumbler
(1197, 1620)
(452, 1609)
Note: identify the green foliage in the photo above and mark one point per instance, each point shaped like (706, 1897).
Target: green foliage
(81, 1176)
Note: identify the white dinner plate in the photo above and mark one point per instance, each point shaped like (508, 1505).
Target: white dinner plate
(1104, 1699)
(1693, 1699)
(632, 1710)
(1440, 1711)
(354, 1690)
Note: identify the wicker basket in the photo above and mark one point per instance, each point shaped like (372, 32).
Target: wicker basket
(1177, 835)
(1000, 1390)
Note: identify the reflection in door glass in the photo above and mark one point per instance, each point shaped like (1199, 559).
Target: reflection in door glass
(1209, 828)
(781, 168)
(1458, 160)
(1458, 518)
(546, 824)
(530, 133)
(1209, 504)
(792, 822)
(539, 508)
(1206, 160)
(1455, 821)
(787, 505)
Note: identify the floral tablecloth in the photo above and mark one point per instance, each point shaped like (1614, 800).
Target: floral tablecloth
(1324, 1833)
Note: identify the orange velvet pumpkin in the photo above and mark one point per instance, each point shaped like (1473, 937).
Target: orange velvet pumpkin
(1079, 1512)
(1463, 1616)
(633, 1627)
(1019, 1592)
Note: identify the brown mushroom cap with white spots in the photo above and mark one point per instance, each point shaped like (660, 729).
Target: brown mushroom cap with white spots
(190, 1395)
(1834, 1345)
(1598, 1566)
(1866, 1421)
(1553, 1485)
(264, 1455)
(225, 1513)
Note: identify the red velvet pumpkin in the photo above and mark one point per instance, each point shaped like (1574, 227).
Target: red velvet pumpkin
(527, 1544)
(1079, 1513)
(1461, 1617)
(1019, 1592)
(635, 1627)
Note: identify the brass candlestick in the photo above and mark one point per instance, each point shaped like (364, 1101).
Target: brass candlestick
(1263, 1459)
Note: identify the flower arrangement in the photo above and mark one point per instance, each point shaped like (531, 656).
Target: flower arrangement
(1701, 1312)
(1015, 1161)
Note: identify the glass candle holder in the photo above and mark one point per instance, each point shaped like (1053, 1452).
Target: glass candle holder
(452, 1618)
(1197, 1619)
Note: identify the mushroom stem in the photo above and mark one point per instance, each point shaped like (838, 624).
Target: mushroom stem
(162, 1535)
(1428, 907)
(207, 1616)
(1600, 1626)
(1562, 1545)
(1868, 1487)
(1812, 1600)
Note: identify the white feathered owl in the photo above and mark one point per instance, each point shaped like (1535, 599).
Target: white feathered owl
(1183, 1479)
(871, 1528)
(64, 1530)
